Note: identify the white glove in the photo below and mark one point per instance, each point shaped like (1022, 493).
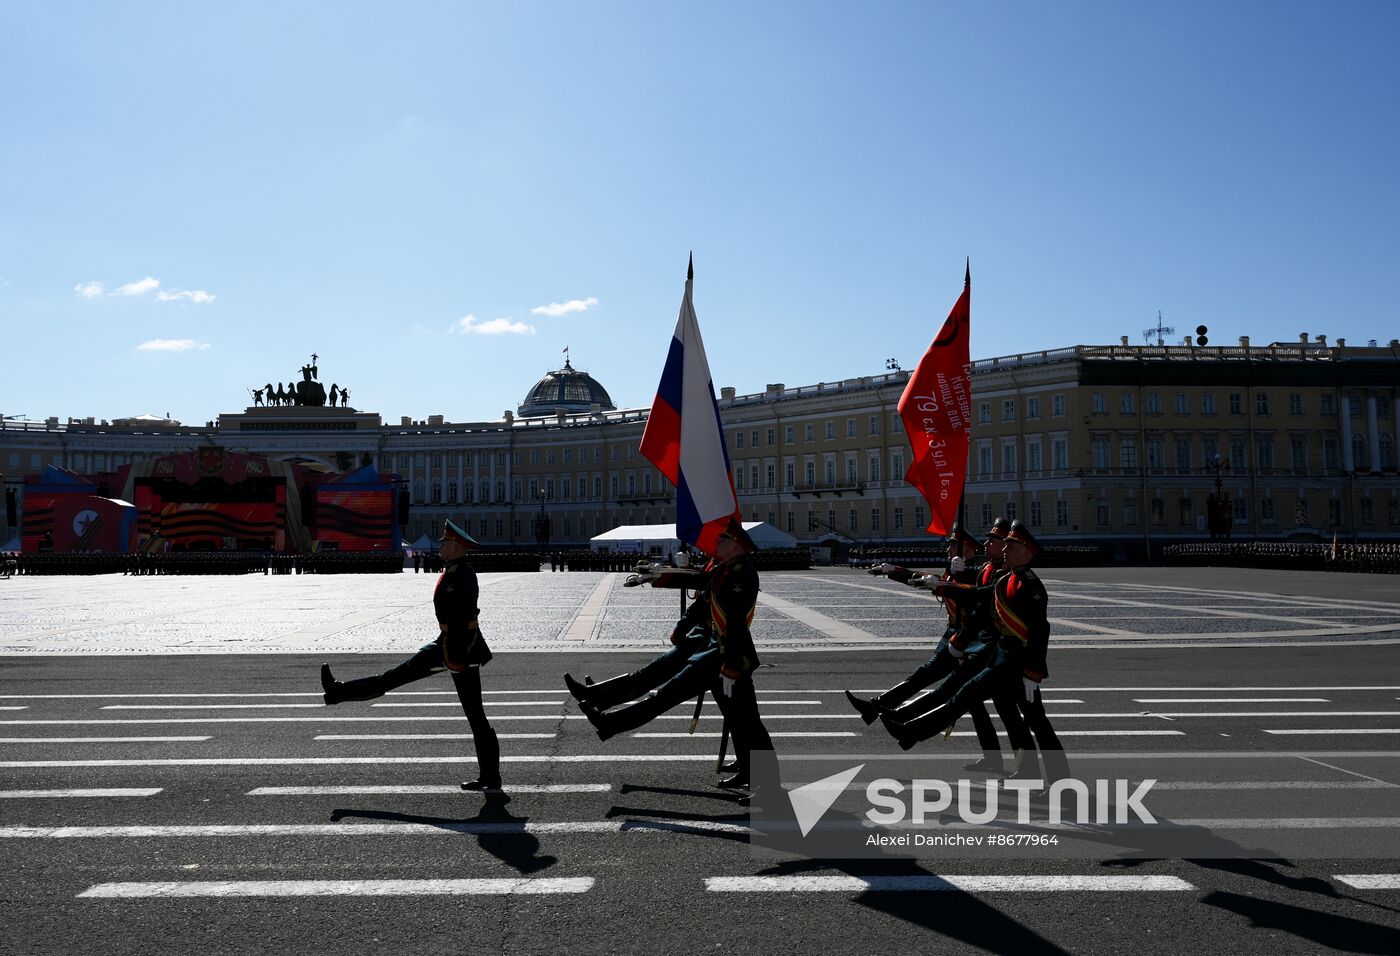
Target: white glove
(957, 565)
(726, 686)
(922, 581)
(957, 654)
(1031, 688)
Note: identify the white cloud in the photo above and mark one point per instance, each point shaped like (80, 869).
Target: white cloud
(469, 323)
(88, 290)
(556, 309)
(140, 287)
(171, 345)
(197, 295)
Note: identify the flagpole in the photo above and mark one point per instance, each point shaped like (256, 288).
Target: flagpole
(962, 496)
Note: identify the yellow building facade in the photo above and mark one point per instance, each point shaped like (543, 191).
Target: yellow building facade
(1118, 446)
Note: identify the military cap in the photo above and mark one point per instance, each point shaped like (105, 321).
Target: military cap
(450, 532)
(999, 529)
(1022, 535)
(960, 535)
(736, 531)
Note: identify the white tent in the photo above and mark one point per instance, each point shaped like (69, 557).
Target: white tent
(424, 543)
(661, 538)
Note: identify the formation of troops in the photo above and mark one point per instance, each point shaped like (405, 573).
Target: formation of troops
(994, 647)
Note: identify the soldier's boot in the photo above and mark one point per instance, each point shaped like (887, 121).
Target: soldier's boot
(488, 763)
(580, 691)
(869, 710)
(739, 781)
(336, 692)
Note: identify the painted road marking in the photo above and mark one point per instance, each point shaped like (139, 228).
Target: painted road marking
(361, 830)
(428, 736)
(90, 792)
(1370, 881)
(98, 740)
(936, 884)
(1231, 700)
(432, 788)
(242, 888)
(1349, 730)
(774, 733)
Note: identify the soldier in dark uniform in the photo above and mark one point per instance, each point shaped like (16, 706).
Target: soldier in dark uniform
(962, 643)
(459, 647)
(725, 665)
(1020, 617)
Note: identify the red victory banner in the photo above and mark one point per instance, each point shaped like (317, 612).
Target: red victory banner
(936, 409)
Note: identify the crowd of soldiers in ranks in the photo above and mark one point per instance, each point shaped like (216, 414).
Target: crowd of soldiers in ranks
(210, 562)
(1371, 558)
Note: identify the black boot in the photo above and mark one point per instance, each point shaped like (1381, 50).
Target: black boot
(597, 718)
(580, 691)
(900, 732)
(987, 764)
(330, 687)
(729, 766)
(739, 781)
(488, 762)
(868, 709)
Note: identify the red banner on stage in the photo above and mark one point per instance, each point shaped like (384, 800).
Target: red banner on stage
(936, 409)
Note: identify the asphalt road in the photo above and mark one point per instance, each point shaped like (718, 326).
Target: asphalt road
(635, 850)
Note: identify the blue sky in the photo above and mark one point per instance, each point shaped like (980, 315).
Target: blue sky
(406, 189)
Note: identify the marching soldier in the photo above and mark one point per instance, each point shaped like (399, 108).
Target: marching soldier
(1021, 620)
(725, 666)
(458, 648)
(960, 636)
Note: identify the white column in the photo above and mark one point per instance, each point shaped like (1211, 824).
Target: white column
(1373, 432)
(1344, 416)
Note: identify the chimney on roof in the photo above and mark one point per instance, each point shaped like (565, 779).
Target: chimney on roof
(726, 393)
(1302, 338)
(405, 421)
(1124, 340)
(1341, 343)
(1244, 341)
(1322, 340)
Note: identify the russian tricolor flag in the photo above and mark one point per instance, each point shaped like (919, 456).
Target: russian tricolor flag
(684, 438)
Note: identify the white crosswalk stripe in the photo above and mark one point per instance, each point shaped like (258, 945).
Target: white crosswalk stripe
(99, 740)
(1370, 881)
(244, 888)
(89, 792)
(424, 789)
(936, 884)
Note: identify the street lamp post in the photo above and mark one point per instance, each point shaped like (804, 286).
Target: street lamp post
(1219, 515)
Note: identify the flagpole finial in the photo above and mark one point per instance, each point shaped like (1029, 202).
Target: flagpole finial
(967, 276)
(690, 267)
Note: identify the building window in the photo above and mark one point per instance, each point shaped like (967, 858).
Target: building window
(830, 431)
(1264, 451)
(1387, 446)
(1032, 408)
(899, 519)
(1035, 514)
(770, 474)
(1008, 410)
(1298, 447)
(1183, 513)
(1331, 453)
(1059, 454)
(788, 434)
(738, 439)
(1008, 457)
(1154, 403)
(896, 424)
(1010, 511)
(1127, 451)
(811, 473)
(875, 520)
(1208, 403)
(534, 456)
(1057, 406)
(772, 436)
(1156, 455)
(791, 522)
(830, 469)
(1237, 459)
(897, 462)
(984, 459)
(1329, 405)
(1261, 403)
(1101, 512)
(1061, 513)
(850, 428)
(753, 477)
(753, 438)
(919, 521)
(986, 515)
(1098, 404)
(809, 431)
(1181, 403)
(788, 474)
(851, 469)
(1295, 403)
(568, 456)
(874, 424)
(1125, 403)
(549, 456)
(1300, 512)
(1359, 461)
(1183, 454)
(1033, 459)
(984, 413)
(1266, 509)
(1159, 511)
(1100, 446)
(1368, 511)
(1236, 403)
(851, 520)
(452, 491)
(873, 473)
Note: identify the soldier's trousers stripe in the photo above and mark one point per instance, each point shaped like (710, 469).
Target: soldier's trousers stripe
(243, 888)
(1370, 881)
(935, 884)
